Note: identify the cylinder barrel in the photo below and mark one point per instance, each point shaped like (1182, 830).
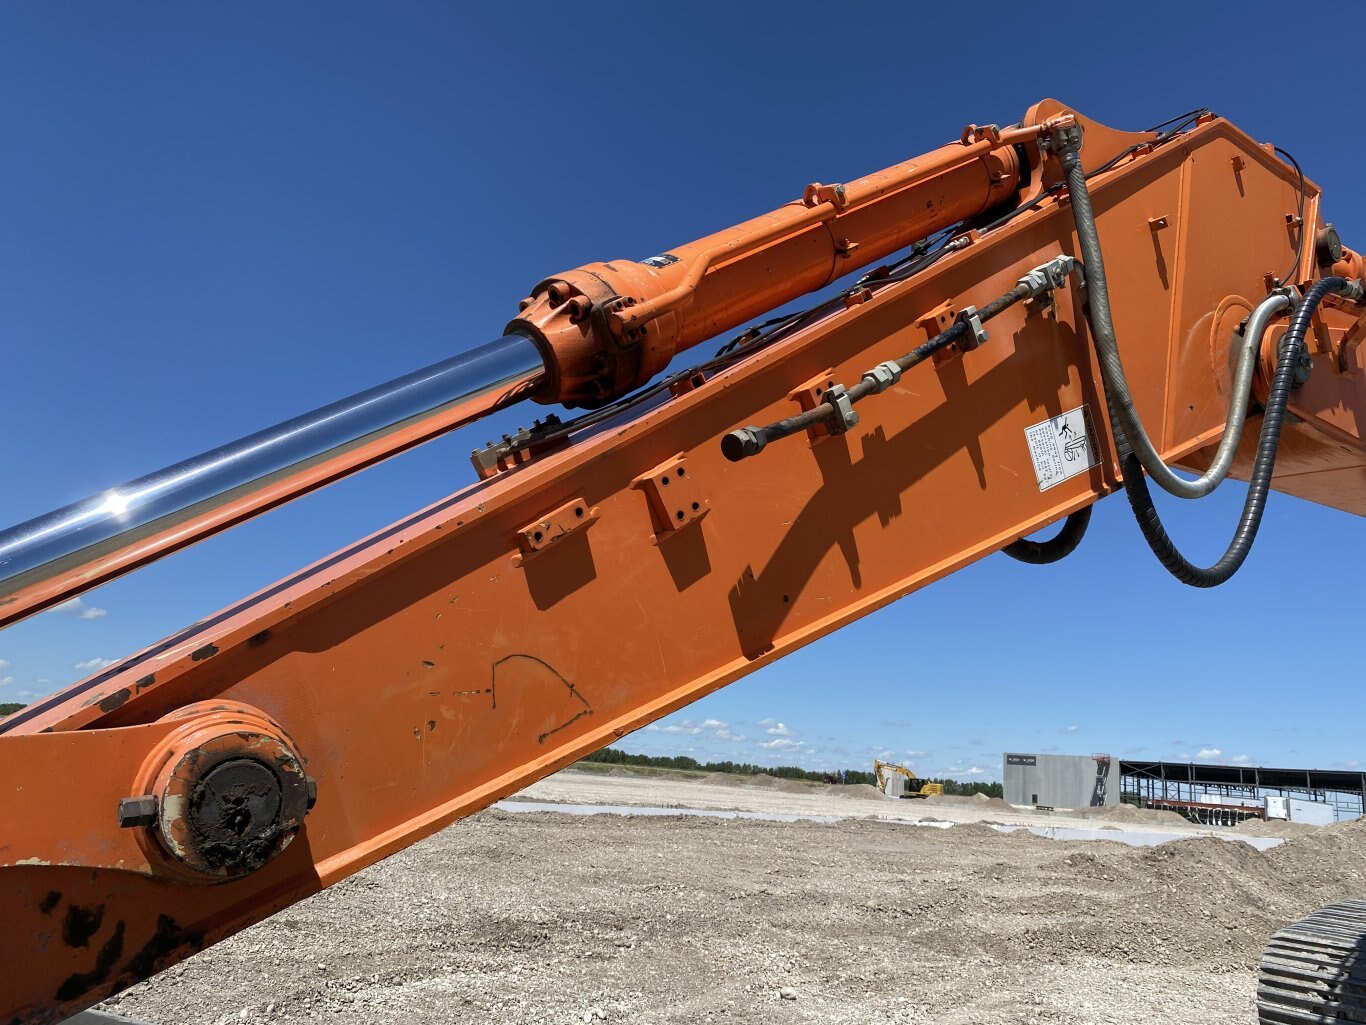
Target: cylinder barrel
(51, 557)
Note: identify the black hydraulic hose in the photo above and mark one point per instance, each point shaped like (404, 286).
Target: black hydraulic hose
(1068, 142)
(750, 441)
(1259, 484)
(1055, 549)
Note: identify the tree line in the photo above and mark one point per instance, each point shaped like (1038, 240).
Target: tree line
(611, 756)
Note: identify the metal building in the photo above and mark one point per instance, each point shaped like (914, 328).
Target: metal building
(1060, 781)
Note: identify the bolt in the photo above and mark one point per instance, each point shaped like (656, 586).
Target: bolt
(1304, 365)
(137, 811)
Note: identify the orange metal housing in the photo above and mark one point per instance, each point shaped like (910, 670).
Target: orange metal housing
(453, 658)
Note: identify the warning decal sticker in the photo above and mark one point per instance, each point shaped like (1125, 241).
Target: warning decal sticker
(1062, 447)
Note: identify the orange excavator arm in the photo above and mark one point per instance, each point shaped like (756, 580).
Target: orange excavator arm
(609, 570)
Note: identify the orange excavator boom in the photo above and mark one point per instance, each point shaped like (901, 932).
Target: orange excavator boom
(676, 536)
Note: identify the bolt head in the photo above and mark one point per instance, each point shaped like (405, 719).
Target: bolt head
(138, 811)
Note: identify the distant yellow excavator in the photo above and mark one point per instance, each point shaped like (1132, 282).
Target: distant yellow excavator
(899, 781)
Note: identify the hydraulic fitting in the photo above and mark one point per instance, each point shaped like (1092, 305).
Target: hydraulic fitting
(883, 376)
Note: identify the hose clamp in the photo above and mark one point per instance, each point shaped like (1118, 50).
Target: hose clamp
(1292, 296)
(837, 398)
(1053, 274)
(976, 332)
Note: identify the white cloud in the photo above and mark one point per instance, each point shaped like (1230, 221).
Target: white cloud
(917, 754)
(79, 609)
(779, 729)
(1068, 729)
(687, 726)
(974, 771)
(1240, 759)
(3, 665)
(783, 744)
(5, 681)
(91, 664)
(714, 724)
(1208, 752)
(725, 734)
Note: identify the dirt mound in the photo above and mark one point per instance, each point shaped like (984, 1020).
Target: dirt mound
(1130, 813)
(854, 792)
(1315, 853)
(724, 779)
(760, 781)
(981, 801)
(1274, 827)
(786, 786)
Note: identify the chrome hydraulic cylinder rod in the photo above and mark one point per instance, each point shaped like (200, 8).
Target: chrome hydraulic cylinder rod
(55, 556)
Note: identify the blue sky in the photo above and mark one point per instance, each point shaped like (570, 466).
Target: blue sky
(215, 217)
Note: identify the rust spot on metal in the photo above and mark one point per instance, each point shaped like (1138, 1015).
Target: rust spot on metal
(431, 725)
(83, 982)
(146, 681)
(256, 640)
(428, 664)
(81, 922)
(50, 902)
(116, 700)
(208, 651)
(168, 939)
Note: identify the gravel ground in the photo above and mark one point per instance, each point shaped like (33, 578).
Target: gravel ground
(548, 917)
(769, 796)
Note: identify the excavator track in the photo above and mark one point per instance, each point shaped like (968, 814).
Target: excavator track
(1315, 969)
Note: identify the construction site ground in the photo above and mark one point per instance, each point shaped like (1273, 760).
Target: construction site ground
(564, 918)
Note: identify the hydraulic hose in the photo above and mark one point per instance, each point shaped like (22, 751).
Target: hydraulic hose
(1107, 347)
(750, 441)
(1259, 484)
(1055, 549)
